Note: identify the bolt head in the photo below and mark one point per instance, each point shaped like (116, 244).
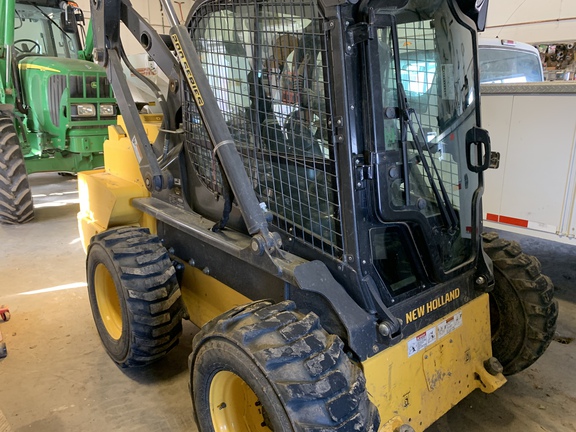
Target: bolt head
(99, 56)
(258, 244)
(384, 329)
(493, 366)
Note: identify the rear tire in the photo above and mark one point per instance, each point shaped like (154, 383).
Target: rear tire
(15, 195)
(267, 366)
(134, 296)
(523, 312)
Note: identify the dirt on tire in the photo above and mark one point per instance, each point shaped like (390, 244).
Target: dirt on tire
(315, 382)
(523, 311)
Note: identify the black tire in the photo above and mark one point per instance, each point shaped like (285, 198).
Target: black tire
(269, 365)
(134, 295)
(523, 311)
(15, 195)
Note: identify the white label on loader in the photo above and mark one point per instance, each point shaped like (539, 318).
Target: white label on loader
(137, 151)
(431, 335)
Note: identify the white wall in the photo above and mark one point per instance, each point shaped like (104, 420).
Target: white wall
(150, 10)
(532, 21)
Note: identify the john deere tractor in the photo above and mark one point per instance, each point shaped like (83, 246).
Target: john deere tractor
(310, 198)
(55, 106)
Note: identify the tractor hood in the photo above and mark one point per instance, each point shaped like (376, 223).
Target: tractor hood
(59, 65)
(53, 87)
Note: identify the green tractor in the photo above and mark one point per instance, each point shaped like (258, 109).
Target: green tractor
(55, 104)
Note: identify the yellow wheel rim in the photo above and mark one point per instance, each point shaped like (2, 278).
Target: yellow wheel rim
(234, 406)
(108, 301)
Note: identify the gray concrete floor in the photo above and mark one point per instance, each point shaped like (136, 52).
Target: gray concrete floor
(57, 376)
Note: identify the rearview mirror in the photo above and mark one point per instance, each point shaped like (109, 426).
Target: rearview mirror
(475, 9)
(68, 20)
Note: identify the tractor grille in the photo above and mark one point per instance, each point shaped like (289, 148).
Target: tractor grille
(89, 86)
(56, 87)
(80, 87)
(267, 65)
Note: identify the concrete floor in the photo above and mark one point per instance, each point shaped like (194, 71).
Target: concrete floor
(57, 376)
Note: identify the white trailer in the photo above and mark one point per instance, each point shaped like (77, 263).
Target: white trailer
(533, 126)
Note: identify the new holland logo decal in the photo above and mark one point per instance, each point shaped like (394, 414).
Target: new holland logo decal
(432, 305)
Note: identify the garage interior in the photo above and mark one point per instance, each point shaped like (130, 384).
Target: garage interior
(56, 376)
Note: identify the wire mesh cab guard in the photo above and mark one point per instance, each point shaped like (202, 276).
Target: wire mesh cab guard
(267, 64)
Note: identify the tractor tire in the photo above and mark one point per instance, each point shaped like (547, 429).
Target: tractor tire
(134, 296)
(265, 366)
(523, 311)
(15, 195)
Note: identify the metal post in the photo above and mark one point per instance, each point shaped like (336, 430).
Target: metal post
(170, 12)
(8, 38)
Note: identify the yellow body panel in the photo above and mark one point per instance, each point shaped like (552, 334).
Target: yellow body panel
(105, 202)
(106, 194)
(421, 378)
(205, 297)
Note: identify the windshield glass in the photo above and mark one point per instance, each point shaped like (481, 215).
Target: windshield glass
(426, 89)
(37, 31)
(502, 66)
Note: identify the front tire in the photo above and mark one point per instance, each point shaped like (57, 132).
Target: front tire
(134, 296)
(266, 366)
(15, 195)
(523, 311)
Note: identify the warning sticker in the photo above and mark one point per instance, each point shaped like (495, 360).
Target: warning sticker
(430, 336)
(449, 325)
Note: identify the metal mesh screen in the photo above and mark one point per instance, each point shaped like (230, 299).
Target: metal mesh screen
(266, 64)
(421, 80)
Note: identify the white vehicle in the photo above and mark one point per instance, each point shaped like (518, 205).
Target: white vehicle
(504, 61)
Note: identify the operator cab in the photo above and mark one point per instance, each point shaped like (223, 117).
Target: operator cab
(45, 30)
(364, 147)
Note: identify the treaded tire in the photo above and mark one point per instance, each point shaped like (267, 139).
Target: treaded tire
(134, 295)
(15, 196)
(298, 373)
(523, 311)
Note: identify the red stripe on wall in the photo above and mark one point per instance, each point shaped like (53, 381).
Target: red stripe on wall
(513, 221)
(492, 217)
